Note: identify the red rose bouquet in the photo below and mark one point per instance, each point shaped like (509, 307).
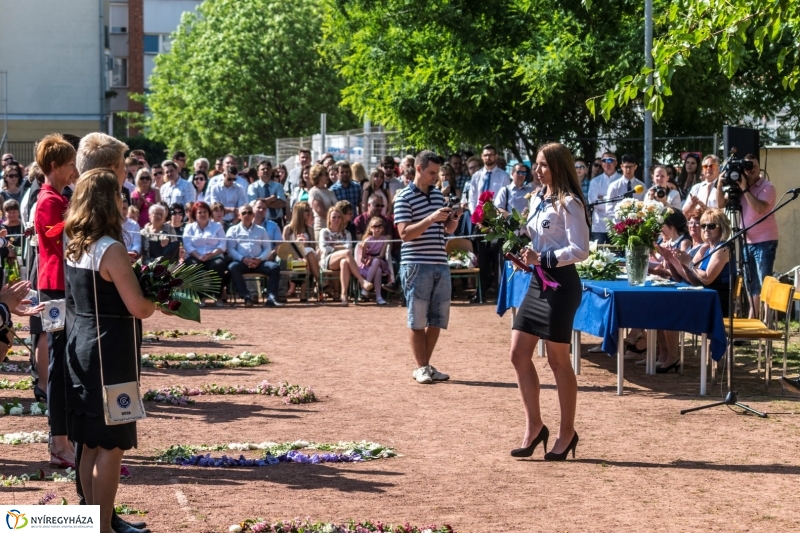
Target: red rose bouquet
(176, 288)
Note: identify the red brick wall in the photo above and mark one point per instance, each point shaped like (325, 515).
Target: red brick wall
(135, 54)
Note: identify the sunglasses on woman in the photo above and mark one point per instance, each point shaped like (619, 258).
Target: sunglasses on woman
(145, 178)
(711, 226)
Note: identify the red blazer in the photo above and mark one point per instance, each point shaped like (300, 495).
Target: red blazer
(51, 207)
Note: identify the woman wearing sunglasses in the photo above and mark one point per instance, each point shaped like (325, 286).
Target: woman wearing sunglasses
(12, 179)
(200, 180)
(708, 267)
(145, 195)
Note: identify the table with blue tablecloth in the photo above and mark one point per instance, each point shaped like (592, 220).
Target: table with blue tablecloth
(609, 306)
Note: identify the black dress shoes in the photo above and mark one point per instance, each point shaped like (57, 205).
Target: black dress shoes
(791, 385)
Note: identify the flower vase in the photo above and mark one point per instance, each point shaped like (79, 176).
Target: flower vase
(636, 261)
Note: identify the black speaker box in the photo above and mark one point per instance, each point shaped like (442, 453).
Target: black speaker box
(745, 140)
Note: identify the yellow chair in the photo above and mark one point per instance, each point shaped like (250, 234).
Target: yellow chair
(779, 300)
(285, 249)
(464, 245)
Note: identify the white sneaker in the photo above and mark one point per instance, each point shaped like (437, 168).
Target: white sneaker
(423, 375)
(365, 293)
(438, 376)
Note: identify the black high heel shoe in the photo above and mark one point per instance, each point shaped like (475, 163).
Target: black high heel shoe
(665, 369)
(552, 456)
(544, 435)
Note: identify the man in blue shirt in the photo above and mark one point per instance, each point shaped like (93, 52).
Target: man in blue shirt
(274, 234)
(270, 190)
(346, 188)
(249, 248)
(229, 193)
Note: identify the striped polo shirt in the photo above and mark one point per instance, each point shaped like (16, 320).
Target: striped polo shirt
(411, 205)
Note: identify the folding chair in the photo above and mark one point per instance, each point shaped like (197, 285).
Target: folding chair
(465, 245)
(285, 249)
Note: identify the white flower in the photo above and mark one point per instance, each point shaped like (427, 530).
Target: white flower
(145, 356)
(329, 528)
(15, 411)
(191, 355)
(35, 409)
(2, 410)
(632, 216)
(235, 528)
(592, 246)
(427, 531)
(235, 361)
(660, 219)
(598, 264)
(245, 355)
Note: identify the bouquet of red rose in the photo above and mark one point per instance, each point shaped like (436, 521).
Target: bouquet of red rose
(176, 288)
(495, 226)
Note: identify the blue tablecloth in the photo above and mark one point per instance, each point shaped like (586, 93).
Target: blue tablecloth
(609, 305)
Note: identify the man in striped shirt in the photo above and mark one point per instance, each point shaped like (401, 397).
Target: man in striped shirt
(422, 219)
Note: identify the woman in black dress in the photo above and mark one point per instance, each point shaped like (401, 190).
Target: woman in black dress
(99, 274)
(559, 231)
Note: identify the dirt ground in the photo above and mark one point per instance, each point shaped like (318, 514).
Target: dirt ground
(640, 465)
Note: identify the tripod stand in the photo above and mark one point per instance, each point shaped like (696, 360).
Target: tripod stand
(731, 396)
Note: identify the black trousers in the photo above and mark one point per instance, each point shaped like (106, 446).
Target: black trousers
(56, 376)
(488, 260)
(217, 264)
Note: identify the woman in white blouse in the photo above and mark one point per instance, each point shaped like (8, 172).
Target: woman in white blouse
(559, 231)
(320, 197)
(204, 243)
(336, 247)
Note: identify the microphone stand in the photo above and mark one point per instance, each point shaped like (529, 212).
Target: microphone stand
(731, 396)
(615, 199)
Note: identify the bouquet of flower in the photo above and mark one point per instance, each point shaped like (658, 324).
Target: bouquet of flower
(176, 288)
(601, 265)
(639, 223)
(495, 226)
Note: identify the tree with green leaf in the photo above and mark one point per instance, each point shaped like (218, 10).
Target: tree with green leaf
(447, 72)
(757, 41)
(240, 74)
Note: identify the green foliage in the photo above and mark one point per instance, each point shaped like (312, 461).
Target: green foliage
(753, 44)
(240, 74)
(446, 72)
(155, 152)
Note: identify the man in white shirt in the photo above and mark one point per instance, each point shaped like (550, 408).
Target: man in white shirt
(704, 194)
(229, 193)
(490, 178)
(270, 190)
(293, 180)
(175, 189)
(228, 161)
(598, 187)
(626, 185)
(249, 247)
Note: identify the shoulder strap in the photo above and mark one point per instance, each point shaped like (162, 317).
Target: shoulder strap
(96, 272)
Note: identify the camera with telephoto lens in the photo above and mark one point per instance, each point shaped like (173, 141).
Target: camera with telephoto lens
(453, 201)
(661, 192)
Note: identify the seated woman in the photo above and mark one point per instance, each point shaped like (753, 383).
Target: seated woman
(218, 215)
(335, 245)
(712, 270)
(675, 233)
(371, 257)
(693, 223)
(204, 242)
(177, 218)
(299, 232)
(155, 242)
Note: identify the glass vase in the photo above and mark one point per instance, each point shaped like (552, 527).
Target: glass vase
(636, 262)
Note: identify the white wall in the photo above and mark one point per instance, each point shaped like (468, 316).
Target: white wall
(164, 16)
(51, 51)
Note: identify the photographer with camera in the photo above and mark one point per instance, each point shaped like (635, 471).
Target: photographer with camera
(659, 192)
(742, 182)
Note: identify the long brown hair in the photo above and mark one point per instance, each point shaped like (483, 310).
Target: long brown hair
(94, 212)
(564, 180)
(298, 222)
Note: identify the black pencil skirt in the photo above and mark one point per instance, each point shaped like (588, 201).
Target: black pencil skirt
(549, 314)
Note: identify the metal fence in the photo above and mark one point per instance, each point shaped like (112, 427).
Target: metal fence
(23, 151)
(367, 146)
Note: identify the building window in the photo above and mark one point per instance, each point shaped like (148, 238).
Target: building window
(119, 75)
(151, 44)
(118, 14)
